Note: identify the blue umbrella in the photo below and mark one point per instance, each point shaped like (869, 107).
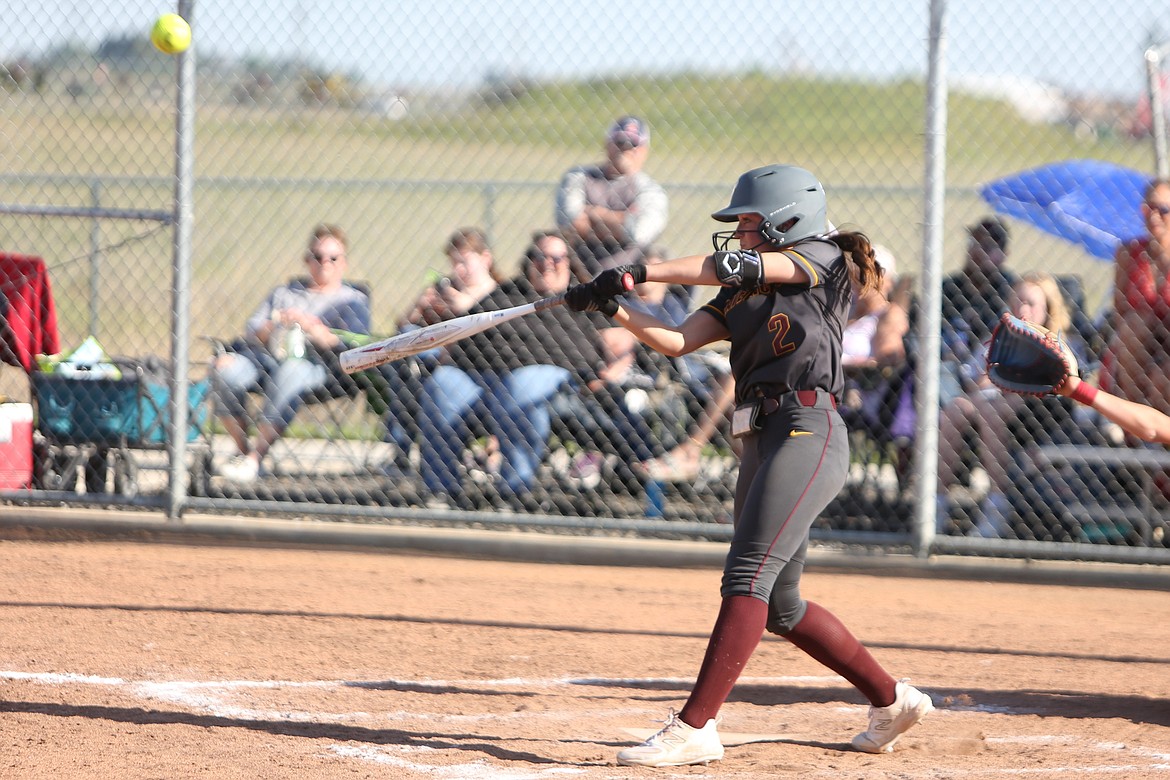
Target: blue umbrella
(1093, 204)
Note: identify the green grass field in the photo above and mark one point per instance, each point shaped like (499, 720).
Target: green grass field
(265, 177)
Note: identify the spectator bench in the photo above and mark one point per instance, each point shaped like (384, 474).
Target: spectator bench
(1098, 510)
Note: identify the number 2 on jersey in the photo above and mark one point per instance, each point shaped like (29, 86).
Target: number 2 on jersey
(780, 326)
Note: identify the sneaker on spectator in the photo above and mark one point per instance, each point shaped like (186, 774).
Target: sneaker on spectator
(439, 502)
(674, 466)
(676, 744)
(459, 502)
(241, 468)
(886, 724)
(585, 470)
(483, 460)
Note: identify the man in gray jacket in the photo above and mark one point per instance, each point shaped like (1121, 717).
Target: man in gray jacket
(612, 211)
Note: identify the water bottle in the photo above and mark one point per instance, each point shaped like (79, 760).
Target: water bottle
(294, 343)
(655, 499)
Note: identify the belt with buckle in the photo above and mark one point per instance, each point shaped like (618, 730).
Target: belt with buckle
(748, 415)
(770, 401)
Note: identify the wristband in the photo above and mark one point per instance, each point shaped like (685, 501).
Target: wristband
(1084, 394)
(637, 271)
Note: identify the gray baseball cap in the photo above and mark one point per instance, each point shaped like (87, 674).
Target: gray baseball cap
(628, 132)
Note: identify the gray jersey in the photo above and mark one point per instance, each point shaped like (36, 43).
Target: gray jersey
(789, 335)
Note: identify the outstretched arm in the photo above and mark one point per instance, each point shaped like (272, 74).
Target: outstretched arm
(1144, 422)
(775, 267)
(719, 269)
(696, 331)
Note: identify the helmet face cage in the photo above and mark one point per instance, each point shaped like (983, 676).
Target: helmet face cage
(776, 192)
(771, 236)
(721, 239)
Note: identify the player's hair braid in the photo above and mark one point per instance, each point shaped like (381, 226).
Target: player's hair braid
(859, 250)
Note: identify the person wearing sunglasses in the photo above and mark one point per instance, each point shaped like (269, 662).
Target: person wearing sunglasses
(505, 382)
(612, 210)
(1137, 363)
(284, 353)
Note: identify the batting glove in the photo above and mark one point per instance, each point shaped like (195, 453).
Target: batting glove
(612, 283)
(739, 268)
(587, 298)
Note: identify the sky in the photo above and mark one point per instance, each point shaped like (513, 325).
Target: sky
(1086, 46)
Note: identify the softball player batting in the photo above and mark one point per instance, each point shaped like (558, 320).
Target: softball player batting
(785, 299)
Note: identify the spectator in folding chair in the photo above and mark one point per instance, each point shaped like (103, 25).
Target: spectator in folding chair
(682, 463)
(289, 350)
(664, 391)
(1035, 297)
(504, 380)
(623, 414)
(702, 372)
(708, 381)
(864, 384)
(1138, 360)
(972, 300)
(472, 277)
(874, 359)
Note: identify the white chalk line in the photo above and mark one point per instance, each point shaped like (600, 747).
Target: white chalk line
(214, 697)
(209, 696)
(386, 756)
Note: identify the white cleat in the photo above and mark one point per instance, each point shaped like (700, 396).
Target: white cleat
(677, 744)
(886, 724)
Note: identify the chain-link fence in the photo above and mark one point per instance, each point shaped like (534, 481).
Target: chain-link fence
(404, 124)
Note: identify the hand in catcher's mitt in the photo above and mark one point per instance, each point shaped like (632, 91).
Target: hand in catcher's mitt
(1028, 359)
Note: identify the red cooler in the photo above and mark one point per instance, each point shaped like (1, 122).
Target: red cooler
(16, 458)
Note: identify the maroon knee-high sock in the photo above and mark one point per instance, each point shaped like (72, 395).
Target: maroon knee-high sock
(735, 636)
(820, 634)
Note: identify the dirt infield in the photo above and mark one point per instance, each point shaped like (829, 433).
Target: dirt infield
(128, 660)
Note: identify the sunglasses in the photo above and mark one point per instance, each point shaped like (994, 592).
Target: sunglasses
(986, 244)
(1161, 208)
(319, 258)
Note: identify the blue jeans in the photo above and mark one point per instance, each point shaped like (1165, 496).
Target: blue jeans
(601, 420)
(512, 406)
(283, 384)
(400, 385)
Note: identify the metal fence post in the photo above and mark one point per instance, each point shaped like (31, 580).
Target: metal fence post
(181, 293)
(934, 207)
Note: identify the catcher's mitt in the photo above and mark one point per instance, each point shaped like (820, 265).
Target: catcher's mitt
(1026, 358)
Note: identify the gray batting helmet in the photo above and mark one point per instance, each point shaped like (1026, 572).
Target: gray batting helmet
(790, 200)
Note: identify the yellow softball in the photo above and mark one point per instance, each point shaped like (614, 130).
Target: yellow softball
(171, 34)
